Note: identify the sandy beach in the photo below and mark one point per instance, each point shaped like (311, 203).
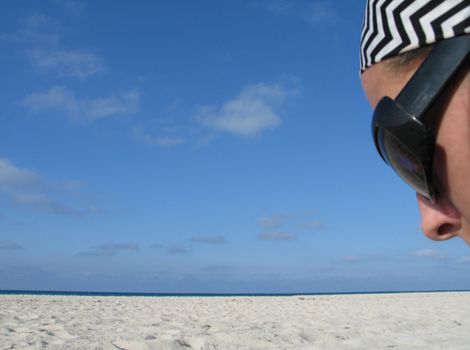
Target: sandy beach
(373, 321)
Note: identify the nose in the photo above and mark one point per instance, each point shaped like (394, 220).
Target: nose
(440, 220)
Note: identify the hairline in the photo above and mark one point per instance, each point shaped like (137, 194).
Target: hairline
(410, 60)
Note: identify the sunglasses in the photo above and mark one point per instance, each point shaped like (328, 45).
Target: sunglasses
(401, 131)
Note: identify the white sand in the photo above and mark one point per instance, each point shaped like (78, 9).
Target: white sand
(387, 321)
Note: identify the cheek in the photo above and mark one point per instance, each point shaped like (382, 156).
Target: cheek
(453, 153)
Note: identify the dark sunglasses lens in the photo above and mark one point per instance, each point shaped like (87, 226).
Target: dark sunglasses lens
(405, 164)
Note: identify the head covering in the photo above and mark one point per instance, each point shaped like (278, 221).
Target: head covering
(393, 27)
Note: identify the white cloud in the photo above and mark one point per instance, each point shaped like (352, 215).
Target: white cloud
(429, 253)
(313, 12)
(209, 239)
(219, 268)
(117, 246)
(179, 249)
(270, 221)
(351, 259)
(142, 134)
(276, 236)
(291, 220)
(321, 12)
(13, 178)
(276, 7)
(68, 63)
(253, 111)
(62, 99)
(168, 141)
(71, 6)
(314, 225)
(126, 103)
(98, 253)
(354, 259)
(42, 41)
(36, 30)
(9, 245)
(464, 260)
(109, 249)
(28, 190)
(426, 253)
(43, 202)
(57, 98)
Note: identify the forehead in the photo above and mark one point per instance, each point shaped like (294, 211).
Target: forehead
(382, 80)
(387, 78)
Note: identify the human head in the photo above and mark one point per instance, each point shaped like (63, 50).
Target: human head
(397, 37)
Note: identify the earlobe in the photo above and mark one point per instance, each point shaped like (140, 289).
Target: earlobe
(439, 221)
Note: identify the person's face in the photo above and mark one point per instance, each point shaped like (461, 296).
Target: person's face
(449, 216)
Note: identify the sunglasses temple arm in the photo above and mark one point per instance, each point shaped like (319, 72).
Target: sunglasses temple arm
(433, 74)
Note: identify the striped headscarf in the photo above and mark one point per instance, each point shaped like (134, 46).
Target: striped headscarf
(393, 27)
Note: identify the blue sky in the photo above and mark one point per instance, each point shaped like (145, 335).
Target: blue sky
(209, 146)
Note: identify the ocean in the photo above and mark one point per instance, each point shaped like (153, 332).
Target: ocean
(128, 294)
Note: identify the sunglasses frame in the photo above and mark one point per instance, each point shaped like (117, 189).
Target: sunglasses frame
(404, 118)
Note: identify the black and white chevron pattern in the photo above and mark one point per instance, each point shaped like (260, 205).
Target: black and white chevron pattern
(392, 27)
